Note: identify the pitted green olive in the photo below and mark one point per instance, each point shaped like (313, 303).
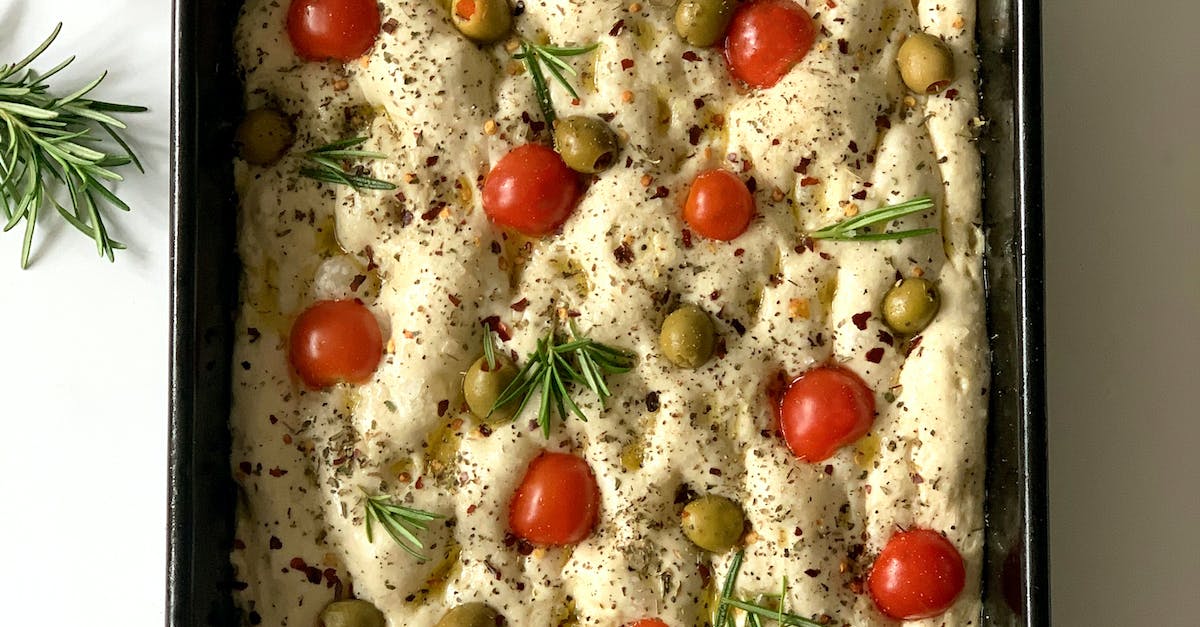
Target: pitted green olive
(586, 144)
(926, 64)
(264, 135)
(482, 386)
(688, 337)
(910, 305)
(484, 21)
(470, 615)
(703, 23)
(351, 613)
(713, 523)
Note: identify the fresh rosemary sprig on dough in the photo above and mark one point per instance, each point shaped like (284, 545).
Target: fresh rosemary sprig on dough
(328, 166)
(552, 58)
(755, 612)
(489, 347)
(400, 522)
(46, 141)
(857, 228)
(556, 366)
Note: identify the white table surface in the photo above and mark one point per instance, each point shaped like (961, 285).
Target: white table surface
(83, 359)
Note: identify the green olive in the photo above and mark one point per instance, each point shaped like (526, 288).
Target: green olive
(714, 523)
(482, 386)
(351, 613)
(484, 21)
(586, 144)
(264, 135)
(687, 337)
(910, 305)
(470, 615)
(702, 23)
(926, 64)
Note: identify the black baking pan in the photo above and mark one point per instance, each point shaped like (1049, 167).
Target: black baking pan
(205, 108)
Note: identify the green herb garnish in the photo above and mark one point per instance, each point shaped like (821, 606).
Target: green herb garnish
(489, 347)
(46, 140)
(329, 169)
(857, 228)
(555, 367)
(535, 57)
(755, 612)
(400, 522)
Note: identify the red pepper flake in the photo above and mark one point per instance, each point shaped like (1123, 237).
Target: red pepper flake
(687, 238)
(617, 28)
(455, 299)
(357, 282)
(738, 326)
(715, 295)
(829, 469)
(699, 103)
(913, 344)
(501, 329)
(431, 161)
(824, 255)
(720, 350)
(739, 252)
(624, 254)
(313, 574)
(443, 405)
(798, 532)
(853, 146)
(275, 543)
(690, 55)
(524, 547)
(812, 572)
(495, 247)
(718, 120)
(277, 472)
(298, 563)
(886, 337)
(802, 167)
(331, 578)
(809, 181)
(951, 94)
(831, 4)
(843, 46)
(433, 212)
(519, 305)
(716, 472)
(485, 431)
(661, 192)
(471, 508)
(860, 320)
(245, 467)
(694, 134)
(705, 573)
(626, 64)
(652, 402)
(752, 184)
(917, 478)
(875, 355)
(883, 122)
(390, 26)
(254, 335)
(859, 195)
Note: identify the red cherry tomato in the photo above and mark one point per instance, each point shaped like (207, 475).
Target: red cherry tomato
(719, 206)
(918, 574)
(647, 622)
(558, 501)
(766, 38)
(823, 410)
(530, 190)
(332, 29)
(334, 341)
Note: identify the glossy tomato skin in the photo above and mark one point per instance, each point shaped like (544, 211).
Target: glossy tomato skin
(332, 29)
(648, 622)
(765, 39)
(531, 190)
(918, 574)
(823, 410)
(719, 205)
(557, 502)
(335, 341)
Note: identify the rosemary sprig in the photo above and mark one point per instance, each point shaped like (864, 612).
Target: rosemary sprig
(555, 367)
(328, 167)
(489, 347)
(857, 228)
(400, 522)
(755, 612)
(46, 140)
(536, 57)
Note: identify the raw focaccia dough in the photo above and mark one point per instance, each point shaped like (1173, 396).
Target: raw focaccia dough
(840, 129)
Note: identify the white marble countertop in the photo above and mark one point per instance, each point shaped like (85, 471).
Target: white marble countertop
(83, 359)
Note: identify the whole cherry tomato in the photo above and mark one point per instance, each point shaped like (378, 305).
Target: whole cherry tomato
(823, 410)
(334, 341)
(557, 502)
(530, 190)
(918, 574)
(647, 622)
(766, 38)
(332, 29)
(719, 205)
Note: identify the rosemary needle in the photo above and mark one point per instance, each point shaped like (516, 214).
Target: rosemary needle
(327, 167)
(857, 227)
(537, 57)
(51, 153)
(400, 522)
